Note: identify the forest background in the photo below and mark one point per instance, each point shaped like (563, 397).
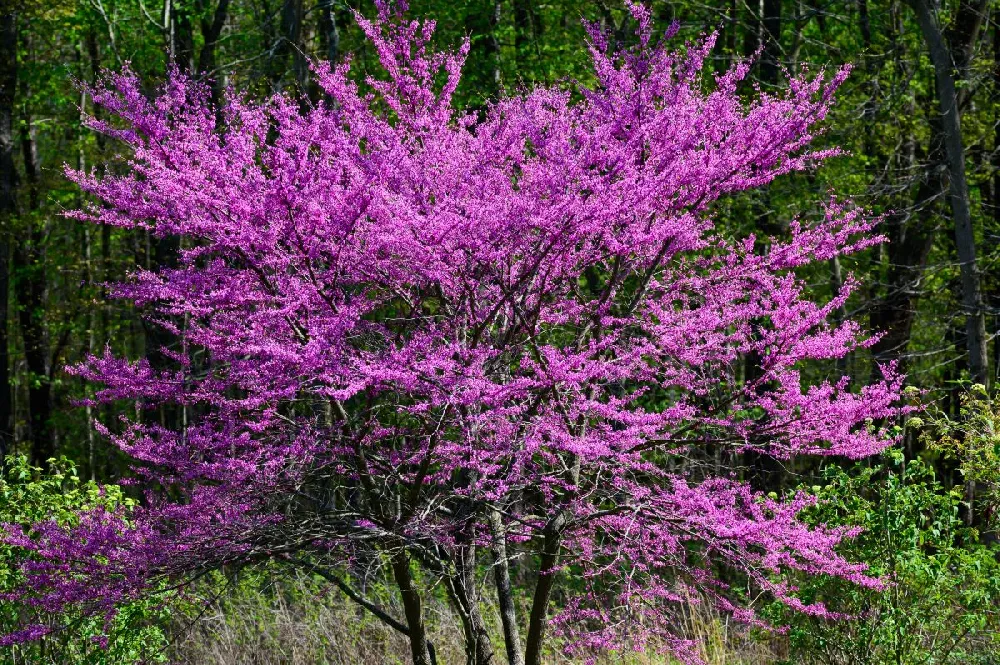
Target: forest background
(917, 119)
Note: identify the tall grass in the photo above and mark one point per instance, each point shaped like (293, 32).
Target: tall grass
(299, 620)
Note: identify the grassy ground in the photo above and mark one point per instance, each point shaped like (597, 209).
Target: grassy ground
(301, 622)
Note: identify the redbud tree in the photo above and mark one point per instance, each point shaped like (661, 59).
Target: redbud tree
(449, 344)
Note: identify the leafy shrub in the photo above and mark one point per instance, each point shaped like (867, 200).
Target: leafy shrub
(972, 441)
(941, 603)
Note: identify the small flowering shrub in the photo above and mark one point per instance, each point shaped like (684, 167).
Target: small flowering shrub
(56, 497)
(409, 336)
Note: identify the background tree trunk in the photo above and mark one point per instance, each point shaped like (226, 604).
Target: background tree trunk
(211, 32)
(951, 135)
(31, 288)
(8, 207)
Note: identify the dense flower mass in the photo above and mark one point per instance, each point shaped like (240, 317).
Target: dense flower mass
(410, 333)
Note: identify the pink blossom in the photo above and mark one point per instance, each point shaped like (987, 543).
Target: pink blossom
(400, 316)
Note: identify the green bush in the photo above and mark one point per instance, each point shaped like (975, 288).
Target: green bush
(972, 443)
(942, 602)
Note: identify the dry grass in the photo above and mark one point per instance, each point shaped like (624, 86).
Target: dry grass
(297, 622)
(724, 642)
(721, 642)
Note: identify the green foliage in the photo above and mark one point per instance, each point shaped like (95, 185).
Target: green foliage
(941, 604)
(29, 495)
(972, 441)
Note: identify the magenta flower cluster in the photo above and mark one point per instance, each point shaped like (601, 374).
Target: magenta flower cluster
(399, 326)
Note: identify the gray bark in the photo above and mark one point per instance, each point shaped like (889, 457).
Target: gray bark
(505, 595)
(951, 134)
(479, 647)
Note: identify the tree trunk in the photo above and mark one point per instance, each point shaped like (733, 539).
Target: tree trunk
(30, 272)
(182, 36)
(412, 609)
(951, 135)
(962, 35)
(8, 207)
(505, 595)
(526, 30)
(479, 647)
(211, 31)
(543, 591)
(329, 33)
(29, 259)
(909, 246)
(482, 19)
(995, 163)
(752, 37)
(291, 35)
(770, 59)
(496, 12)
